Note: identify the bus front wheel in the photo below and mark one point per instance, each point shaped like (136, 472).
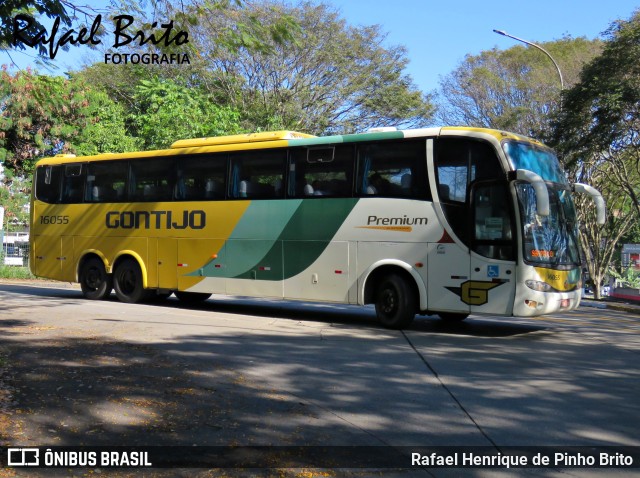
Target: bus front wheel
(127, 282)
(396, 302)
(96, 284)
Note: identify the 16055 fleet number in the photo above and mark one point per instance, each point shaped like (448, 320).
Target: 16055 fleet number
(54, 219)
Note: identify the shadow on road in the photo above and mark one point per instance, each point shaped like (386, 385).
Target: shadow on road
(327, 386)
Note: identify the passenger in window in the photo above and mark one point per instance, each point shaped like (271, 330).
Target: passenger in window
(378, 185)
(319, 189)
(308, 190)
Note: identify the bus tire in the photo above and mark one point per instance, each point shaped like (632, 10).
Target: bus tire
(396, 302)
(452, 317)
(95, 283)
(191, 297)
(128, 283)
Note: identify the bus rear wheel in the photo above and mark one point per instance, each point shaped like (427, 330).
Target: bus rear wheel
(396, 302)
(128, 283)
(191, 297)
(96, 284)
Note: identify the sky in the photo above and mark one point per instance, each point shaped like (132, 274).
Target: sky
(438, 34)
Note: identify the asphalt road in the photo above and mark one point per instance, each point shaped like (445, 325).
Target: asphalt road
(248, 372)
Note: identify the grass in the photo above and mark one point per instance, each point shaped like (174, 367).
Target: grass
(15, 272)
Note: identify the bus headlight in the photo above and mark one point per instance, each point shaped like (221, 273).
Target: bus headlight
(539, 286)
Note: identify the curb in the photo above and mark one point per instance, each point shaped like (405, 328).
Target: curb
(633, 309)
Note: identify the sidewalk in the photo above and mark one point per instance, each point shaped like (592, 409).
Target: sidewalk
(611, 305)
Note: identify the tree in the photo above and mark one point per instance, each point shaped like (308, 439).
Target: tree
(49, 8)
(42, 115)
(600, 244)
(105, 129)
(167, 111)
(283, 67)
(602, 111)
(516, 89)
(250, 34)
(62, 12)
(332, 78)
(597, 133)
(14, 197)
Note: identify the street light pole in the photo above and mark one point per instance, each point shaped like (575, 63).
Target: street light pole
(503, 33)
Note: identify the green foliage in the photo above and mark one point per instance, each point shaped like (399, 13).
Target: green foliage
(602, 111)
(630, 278)
(597, 133)
(243, 30)
(14, 195)
(515, 89)
(601, 244)
(44, 115)
(331, 78)
(14, 272)
(633, 235)
(278, 66)
(120, 81)
(251, 33)
(67, 15)
(167, 111)
(49, 8)
(105, 130)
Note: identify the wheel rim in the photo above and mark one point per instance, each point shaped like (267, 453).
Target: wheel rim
(94, 279)
(389, 301)
(127, 281)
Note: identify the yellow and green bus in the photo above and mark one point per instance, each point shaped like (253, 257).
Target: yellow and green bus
(453, 221)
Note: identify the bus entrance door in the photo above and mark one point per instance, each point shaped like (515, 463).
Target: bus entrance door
(492, 286)
(493, 249)
(448, 274)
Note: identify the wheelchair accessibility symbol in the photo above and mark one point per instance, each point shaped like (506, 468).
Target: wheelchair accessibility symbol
(493, 271)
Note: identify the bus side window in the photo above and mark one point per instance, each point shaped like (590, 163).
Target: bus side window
(492, 230)
(152, 180)
(322, 171)
(73, 183)
(393, 169)
(201, 177)
(458, 162)
(48, 184)
(257, 175)
(106, 181)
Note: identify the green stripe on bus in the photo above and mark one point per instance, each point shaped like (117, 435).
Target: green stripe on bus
(316, 141)
(352, 138)
(304, 239)
(310, 228)
(251, 240)
(347, 138)
(265, 220)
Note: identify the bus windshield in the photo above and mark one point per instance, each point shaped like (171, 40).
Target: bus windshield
(548, 240)
(541, 161)
(552, 239)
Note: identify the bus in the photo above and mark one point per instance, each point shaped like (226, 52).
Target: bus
(450, 221)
